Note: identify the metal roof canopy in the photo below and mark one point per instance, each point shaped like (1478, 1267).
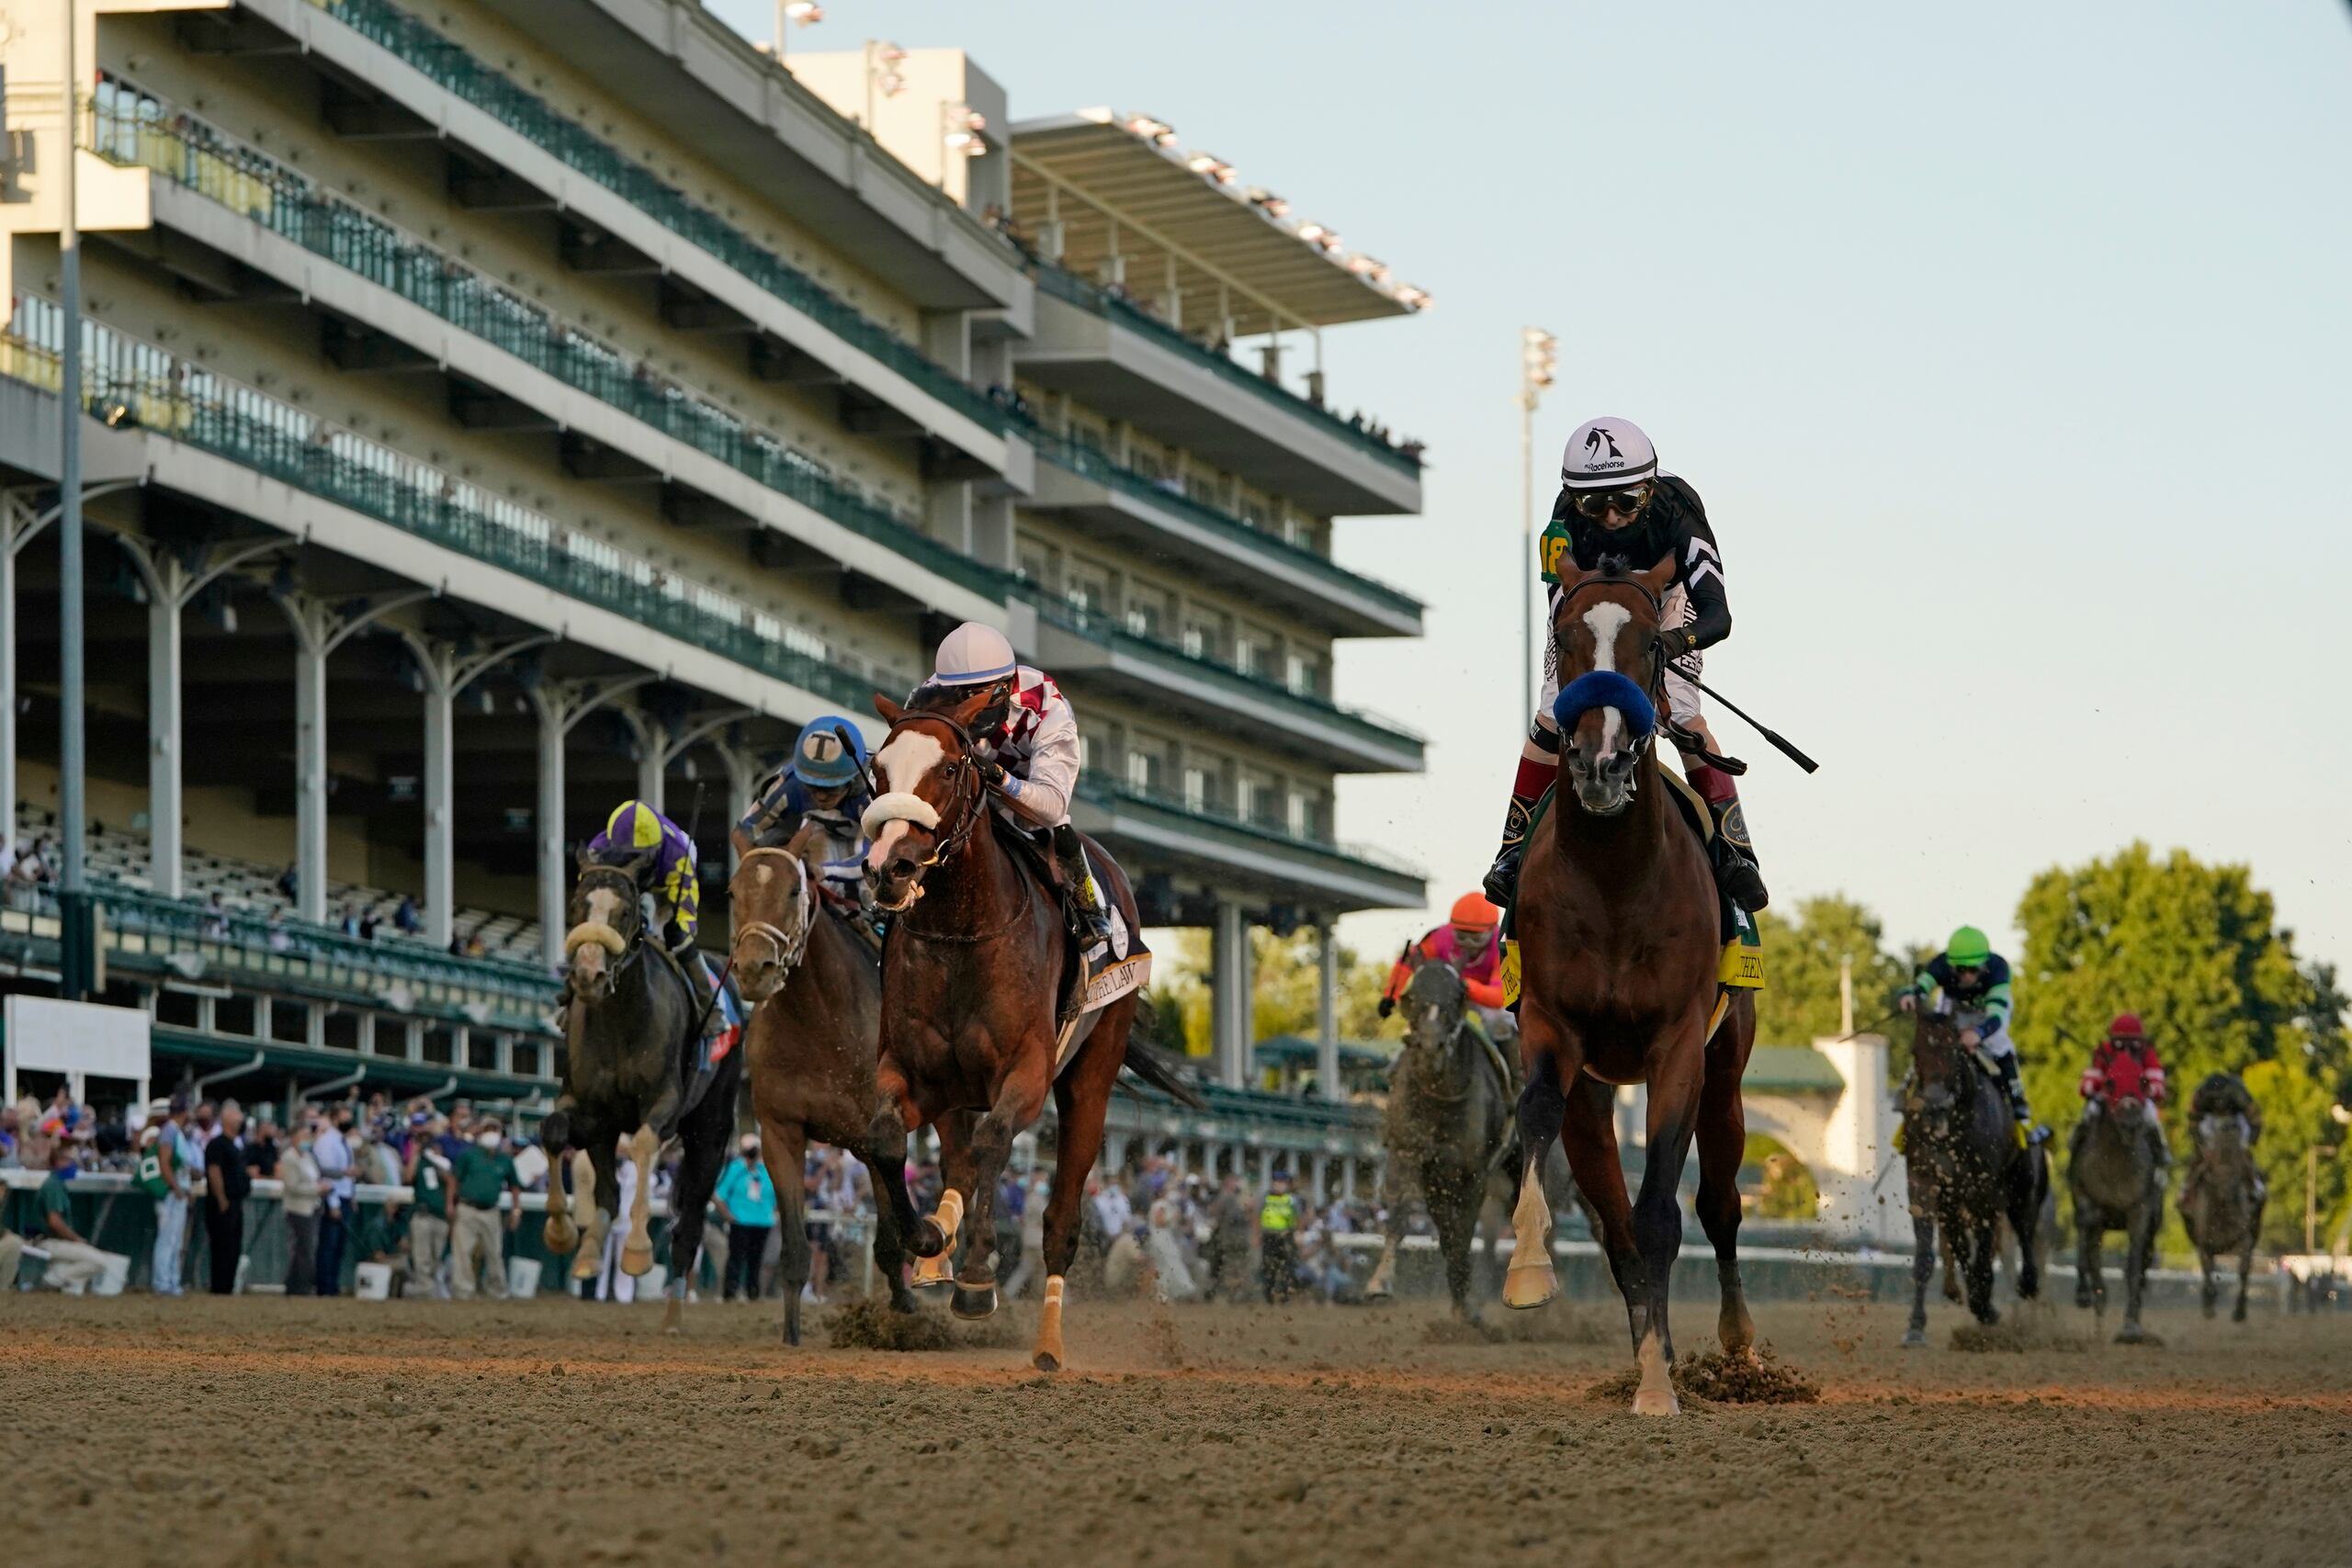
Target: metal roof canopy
(1134, 193)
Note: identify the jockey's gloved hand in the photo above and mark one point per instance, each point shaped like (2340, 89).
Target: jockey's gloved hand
(1673, 642)
(993, 774)
(1907, 1002)
(1387, 1006)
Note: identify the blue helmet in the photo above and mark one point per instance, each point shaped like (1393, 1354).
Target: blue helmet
(829, 753)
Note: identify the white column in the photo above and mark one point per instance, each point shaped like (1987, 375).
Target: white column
(1326, 1016)
(164, 771)
(310, 777)
(1230, 1011)
(1348, 1175)
(742, 777)
(653, 753)
(554, 723)
(9, 527)
(439, 788)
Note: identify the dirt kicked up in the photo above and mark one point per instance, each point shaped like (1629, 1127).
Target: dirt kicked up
(261, 1432)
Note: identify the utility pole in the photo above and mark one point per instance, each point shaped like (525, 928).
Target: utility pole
(1539, 359)
(77, 938)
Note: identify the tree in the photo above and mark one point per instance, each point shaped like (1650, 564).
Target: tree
(2196, 951)
(1799, 1003)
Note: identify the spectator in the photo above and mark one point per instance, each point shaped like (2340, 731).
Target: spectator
(347, 920)
(1113, 1212)
(7, 865)
(332, 1150)
(1172, 1281)
(480, 1174)
(746, 1204)
(279, 942)
(30, 870)
(288, 883)
(162, 1176)
(12, 1256)
(11, 1149)
(1278, 1225)
(297, 1172)
(226, 1182)
(367, 923)
(1033, 1234)
(405, 919)
(72, 1262)
(458, 1134)
(426, 1174)
(262, 1149)
(614, 1283)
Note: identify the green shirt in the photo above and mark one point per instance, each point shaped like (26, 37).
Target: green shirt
(53, 1200)
(482, 1174)
(432, 1188)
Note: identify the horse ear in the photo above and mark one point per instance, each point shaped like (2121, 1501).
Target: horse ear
(1659, 577)
(891, 712)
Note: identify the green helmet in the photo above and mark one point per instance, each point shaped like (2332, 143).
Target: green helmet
(1967, 949)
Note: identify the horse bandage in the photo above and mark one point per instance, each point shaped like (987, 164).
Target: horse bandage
(596, 933)
(949, 1216)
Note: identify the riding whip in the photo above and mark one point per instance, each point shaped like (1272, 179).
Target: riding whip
(1783, 747)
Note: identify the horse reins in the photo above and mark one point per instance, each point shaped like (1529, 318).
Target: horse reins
(789, 952)
(945, 845)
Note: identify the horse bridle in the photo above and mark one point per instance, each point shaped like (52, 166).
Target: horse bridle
(583, 932)
(1656, 602)
(966, 765)
(788, 950)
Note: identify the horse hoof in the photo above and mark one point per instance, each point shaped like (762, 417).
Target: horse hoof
(2238, 1313)
(585, 1269)
(1915, 1339)
(1988, 1318)
(1045, 1361)
(636, 1262)
(1527, 1288)
(669, 1324)
(791, 1323)
(2130, 1333)
(2209, 1312)
(2083, 1298)
(1656, 1401)
(973, 1303)
(933, 1272)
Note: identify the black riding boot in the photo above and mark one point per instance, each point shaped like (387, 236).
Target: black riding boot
(1737, 873)
(1502, 877)
(1087, 916)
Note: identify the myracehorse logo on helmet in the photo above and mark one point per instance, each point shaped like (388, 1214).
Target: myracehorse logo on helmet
(1593, 442)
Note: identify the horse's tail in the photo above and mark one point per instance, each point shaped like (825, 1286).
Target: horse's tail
(1152, 1065)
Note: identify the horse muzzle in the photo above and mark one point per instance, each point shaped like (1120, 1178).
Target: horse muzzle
(590, 946)
(1603, 787)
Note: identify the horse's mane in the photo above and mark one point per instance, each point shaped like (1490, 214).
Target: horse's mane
(930, 698)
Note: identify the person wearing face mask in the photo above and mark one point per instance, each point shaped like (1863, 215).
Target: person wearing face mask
(298, 1172)
(226, 1182)
(73, 1263)
(426, 1174)
(746, 1202)
(482, 1172)
(1616, 500)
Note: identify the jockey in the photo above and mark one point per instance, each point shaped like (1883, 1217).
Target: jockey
(1468, 943)
(668, 877)
(2223, 1095)
(2124, 1066)
(825, 788)
(1034, 769)
(1974, 981)
(1616, 500)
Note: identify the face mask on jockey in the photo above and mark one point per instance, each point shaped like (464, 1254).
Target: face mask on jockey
(827, 799)
(1627, 503)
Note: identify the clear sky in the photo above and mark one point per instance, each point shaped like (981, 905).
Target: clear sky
(2010, 345)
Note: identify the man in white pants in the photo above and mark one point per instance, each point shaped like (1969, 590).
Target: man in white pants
(166, 1150)
(73, 1263)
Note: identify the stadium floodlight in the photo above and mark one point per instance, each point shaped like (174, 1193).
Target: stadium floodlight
(1267, 202)
(1539, 356)
(1156, 131)
(1539, 363)
(801, 12)
(1210, 167)
(960, 125)
(883, 77)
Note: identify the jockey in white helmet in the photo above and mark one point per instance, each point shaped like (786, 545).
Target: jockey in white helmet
(1615, 501)
(1034, 769)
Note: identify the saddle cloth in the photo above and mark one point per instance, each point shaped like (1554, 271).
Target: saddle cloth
(1742, 969)
(1092, 978)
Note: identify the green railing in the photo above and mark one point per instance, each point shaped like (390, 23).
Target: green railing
(1065, 285)
(132, 127)
(1108, 633)
(1357, 858)
(127, 382)
(1091, 462)
(451, 67)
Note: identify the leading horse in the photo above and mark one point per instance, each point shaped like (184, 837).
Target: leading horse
(1967, 1173)
(1620, 941)
(629, 1038)
(973, 976)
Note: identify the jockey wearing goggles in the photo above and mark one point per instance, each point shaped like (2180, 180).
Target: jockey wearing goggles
(2125, 1065)
(1034, 768)
(1468, 943)
(823, 788)
(669, 878)
(1615, 501)
(1974, 981)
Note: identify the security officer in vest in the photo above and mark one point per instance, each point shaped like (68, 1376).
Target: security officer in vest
(1278, 1219)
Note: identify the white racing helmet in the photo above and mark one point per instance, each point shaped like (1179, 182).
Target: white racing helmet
(973, 655)
(1608, 454)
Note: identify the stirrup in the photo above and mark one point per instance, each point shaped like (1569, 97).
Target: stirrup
(1501, 881)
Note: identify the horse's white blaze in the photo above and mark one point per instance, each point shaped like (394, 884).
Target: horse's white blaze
(910, 756)
(1605, 620)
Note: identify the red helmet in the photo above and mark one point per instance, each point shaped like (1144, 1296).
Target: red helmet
(1474, 912)
(2126, 1027)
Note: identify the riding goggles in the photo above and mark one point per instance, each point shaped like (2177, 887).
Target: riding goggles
(1627, 502)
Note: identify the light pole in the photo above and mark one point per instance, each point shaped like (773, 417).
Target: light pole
(882, 74)
(807, 13)
(959, 134)
(1539, 359)
(72, 896)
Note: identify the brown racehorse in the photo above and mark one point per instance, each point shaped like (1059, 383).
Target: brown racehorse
(972, 976)
(811, 1047)
(1620, 946)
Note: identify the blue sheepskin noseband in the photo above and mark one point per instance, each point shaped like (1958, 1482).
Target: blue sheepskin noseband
(1605, 689)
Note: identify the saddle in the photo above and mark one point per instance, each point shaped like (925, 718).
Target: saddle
(1090, 978)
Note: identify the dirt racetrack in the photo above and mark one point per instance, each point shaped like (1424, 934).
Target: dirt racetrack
(262, 1431)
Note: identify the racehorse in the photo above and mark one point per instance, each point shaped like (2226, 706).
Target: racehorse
(2221, 1206)
(630, 1039)
(1448, 1130)
(1966, 1174)
(2117, 1187)
(815, 1030)
(972, 977)
(1620, 942)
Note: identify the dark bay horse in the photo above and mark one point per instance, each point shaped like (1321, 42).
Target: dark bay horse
(1620, 942)
(628, 1049)
(971, 978)
(1447, 1129)
(2117, 1187)
(811, 1046)
(1967, 1174)
(2222, 1204)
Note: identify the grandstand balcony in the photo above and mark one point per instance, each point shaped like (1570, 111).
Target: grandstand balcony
(1261, 855)
(387, 74)
(1090, 651)
(1157, 518)
(227, 214)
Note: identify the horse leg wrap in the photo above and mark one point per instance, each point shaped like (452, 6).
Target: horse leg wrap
(1530, 1282)
(949, 1216)
(1048, 1356)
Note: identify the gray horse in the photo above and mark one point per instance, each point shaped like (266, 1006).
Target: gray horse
(2222, 1205)
(1450, 1131)
(2117, 1187)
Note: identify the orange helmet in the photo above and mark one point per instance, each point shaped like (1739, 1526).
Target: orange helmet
(1474, 912)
